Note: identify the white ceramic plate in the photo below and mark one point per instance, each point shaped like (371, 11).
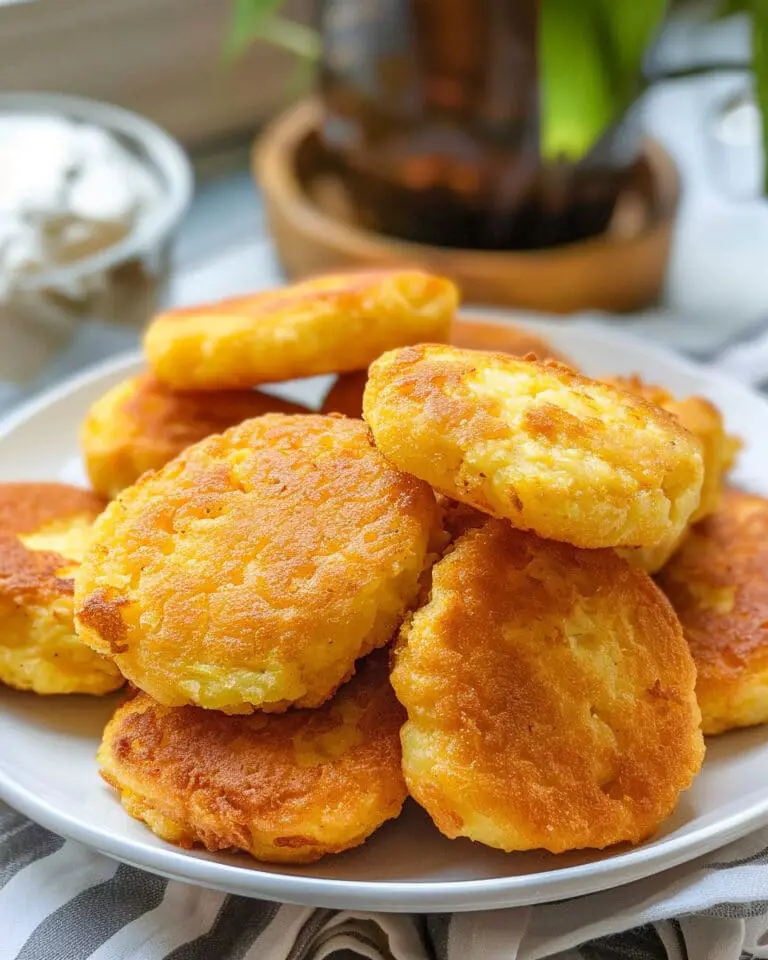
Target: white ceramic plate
(47, 746)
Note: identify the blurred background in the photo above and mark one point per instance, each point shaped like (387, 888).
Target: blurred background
(554, 157)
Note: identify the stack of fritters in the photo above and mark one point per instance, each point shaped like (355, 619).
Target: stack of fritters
(239, 586)
(494, 515)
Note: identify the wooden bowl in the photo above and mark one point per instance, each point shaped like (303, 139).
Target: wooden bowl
(314, 231)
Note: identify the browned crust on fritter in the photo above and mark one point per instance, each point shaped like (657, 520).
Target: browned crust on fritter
(327, 531)
(101, 612)
(421, 377)
(26, 507)
(718, 584)
(242, 772)
(503, 338)
(507, 662)
(26, 573)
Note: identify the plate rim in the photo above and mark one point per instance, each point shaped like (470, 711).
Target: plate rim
(387, 895)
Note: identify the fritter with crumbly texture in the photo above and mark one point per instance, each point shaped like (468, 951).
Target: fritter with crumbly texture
(718, 584)
(550, 696)
(326, 324)
(288, 788)
(44, 529)
(553, 452)
(255, 568)
(140, 425)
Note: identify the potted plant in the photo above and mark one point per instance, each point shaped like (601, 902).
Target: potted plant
(480, 124)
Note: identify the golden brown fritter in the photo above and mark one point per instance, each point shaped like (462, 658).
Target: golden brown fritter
(550, 696)
(44, 529)
(566, 457)
(140, 425)
(256, 567)
(327, 324)
(288, 788)
(503, 338)
(718, 584)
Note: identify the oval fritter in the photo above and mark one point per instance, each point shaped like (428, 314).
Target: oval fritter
(288, 788)
(566, 457)
(718, 584)
(550, 696)
(256, 567)
(327, 324)
(140, 425)
(44, 529)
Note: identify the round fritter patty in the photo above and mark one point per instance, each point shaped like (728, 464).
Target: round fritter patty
(718, 584)
(287, 788)
(255, 568)
(569, 458)
(550, 696)
(326, 324)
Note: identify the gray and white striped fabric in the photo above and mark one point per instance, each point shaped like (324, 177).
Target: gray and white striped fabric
(60, 901)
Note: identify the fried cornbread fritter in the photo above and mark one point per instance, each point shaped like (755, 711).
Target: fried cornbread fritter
(346, 394)
(566, 457)
(328, 324)
(288, 788)
(550, 696)
(718, 584)
(701, 418)
(44, 528)
(256, 567)
(503, 338)
(140, 425)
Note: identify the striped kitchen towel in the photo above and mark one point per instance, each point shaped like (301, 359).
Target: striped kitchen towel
(60, 901)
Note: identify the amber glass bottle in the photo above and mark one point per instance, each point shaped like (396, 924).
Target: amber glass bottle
(432, 121)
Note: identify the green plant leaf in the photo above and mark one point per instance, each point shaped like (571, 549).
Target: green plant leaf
(759, 9)
(590, 56)
(630, 28)
(727, 8)
(575, 90)
(248, 19)
(296, 38)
